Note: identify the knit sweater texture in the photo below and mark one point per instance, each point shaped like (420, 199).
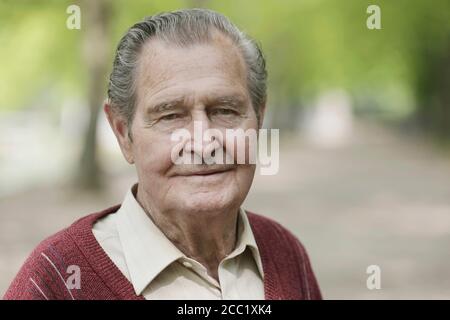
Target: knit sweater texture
(48, 273)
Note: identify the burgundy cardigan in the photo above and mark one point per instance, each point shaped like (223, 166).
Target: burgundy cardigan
(45, 274)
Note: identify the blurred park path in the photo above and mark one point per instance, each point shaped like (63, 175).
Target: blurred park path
(381, 199)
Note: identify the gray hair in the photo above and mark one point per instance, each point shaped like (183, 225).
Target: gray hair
(182, 28)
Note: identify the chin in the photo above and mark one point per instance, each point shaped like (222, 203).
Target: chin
(210, 201)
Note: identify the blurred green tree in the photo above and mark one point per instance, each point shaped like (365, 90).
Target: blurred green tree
(311, 46)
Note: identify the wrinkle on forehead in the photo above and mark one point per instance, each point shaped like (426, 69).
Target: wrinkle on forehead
(160, 62)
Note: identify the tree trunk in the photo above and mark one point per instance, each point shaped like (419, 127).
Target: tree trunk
(94, 24)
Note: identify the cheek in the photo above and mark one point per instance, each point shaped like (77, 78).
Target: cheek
(245, 174)
(152, 154)
(242, 144)
(242, 181)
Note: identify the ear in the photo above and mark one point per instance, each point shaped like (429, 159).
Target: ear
(262, 111)
(120, 128)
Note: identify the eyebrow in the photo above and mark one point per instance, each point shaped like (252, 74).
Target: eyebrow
(234, 101)
(231, 100)
(165, 106)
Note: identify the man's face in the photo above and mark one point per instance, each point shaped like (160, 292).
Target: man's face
(175, 87)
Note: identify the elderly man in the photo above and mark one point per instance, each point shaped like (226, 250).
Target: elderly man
(180, 232)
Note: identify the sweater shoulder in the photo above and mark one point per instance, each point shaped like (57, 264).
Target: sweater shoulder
(44, 273)
(265, 227)
(41, 269)
(280, 249)
(65, 240)
(61, 242)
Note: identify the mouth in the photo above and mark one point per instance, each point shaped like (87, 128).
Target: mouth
(204, 171)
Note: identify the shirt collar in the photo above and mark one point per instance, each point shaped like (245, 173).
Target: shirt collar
(148, 251)
(247, 239)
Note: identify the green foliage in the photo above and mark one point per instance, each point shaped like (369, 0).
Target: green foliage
(310, 45)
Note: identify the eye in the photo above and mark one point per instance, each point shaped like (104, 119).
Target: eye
(171, 116)
(224, 111)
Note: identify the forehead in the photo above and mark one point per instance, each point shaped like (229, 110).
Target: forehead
(204, 68)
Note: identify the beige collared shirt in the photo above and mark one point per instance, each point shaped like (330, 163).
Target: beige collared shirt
(157, 269)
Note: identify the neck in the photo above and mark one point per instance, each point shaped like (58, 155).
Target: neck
(207, 237)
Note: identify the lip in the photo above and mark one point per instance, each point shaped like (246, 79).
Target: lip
(204, 171)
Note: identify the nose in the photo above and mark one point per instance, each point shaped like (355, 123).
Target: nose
(204, 143)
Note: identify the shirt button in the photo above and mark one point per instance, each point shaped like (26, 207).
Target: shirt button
(187, 264)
